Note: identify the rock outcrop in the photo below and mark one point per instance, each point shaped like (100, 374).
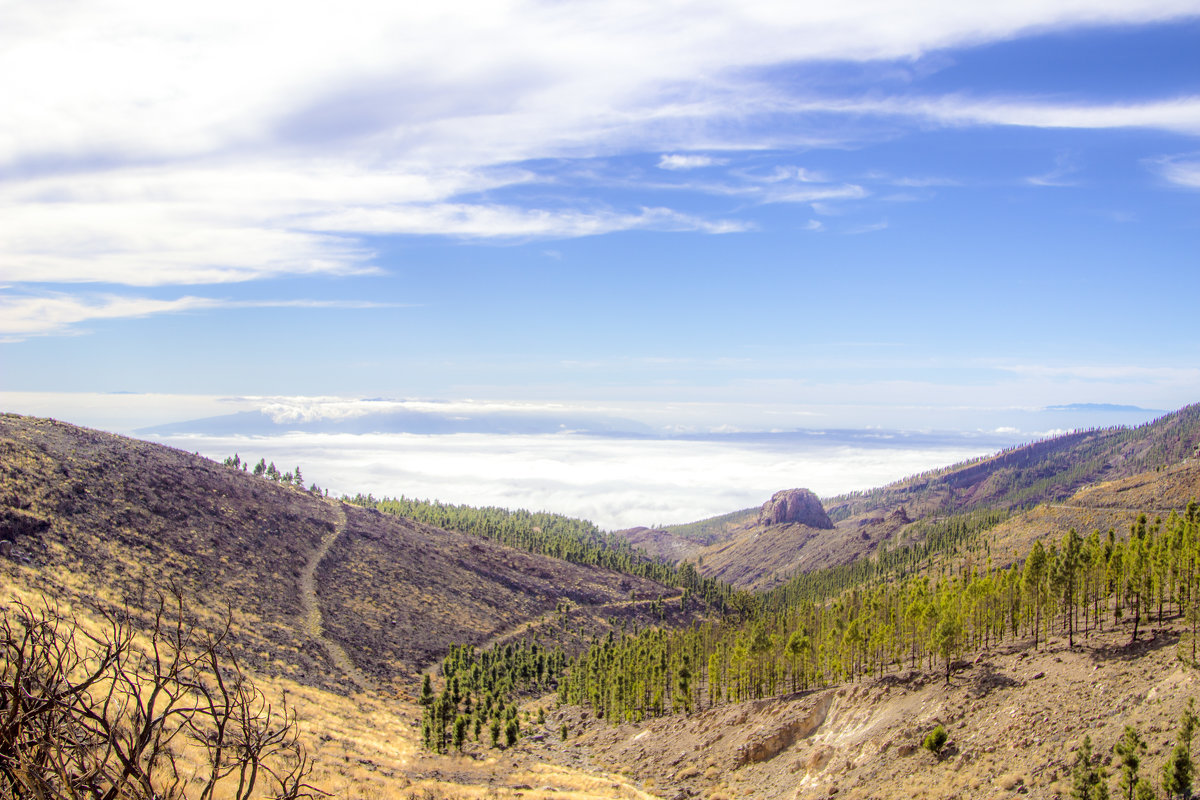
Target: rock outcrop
(794, 505)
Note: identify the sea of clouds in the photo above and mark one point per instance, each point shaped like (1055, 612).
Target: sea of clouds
(615, 482)
(619, 465)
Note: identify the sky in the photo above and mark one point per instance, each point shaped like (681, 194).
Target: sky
(696, 217)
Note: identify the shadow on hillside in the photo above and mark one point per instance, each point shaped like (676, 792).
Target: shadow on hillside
(1148, 642)
(987, 678)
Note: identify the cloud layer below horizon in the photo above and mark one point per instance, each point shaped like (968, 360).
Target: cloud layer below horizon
(656, 474)
(616, 483)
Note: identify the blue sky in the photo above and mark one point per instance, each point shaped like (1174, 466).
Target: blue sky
(760, 215)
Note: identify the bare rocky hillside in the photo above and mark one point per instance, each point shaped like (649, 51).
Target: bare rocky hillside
(112, 520)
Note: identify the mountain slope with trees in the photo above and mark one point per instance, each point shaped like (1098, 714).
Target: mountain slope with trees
(1046, 471)
(739, 548)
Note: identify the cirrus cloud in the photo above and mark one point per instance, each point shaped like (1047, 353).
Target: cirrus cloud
(56, 313)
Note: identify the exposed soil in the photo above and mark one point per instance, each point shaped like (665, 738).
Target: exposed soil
(312, 610)
(329, 595)
(397, 593)
(326, 597)
(663, 544)
(1016, 717)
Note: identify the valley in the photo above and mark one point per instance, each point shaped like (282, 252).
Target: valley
(343, 606)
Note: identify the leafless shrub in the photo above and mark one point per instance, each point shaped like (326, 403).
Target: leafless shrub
(112, 717)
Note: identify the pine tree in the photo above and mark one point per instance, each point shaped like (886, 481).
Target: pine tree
(1032, 584)
(1087, 780)
(1130, 748)
(1177, 773)
(946, 634)
(1066, 578)
(511, 731)
(684, 678)
(1178, 769)
(460, 732)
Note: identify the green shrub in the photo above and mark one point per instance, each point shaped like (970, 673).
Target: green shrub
(935, 739)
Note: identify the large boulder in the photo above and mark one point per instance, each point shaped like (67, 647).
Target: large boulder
(794, 505)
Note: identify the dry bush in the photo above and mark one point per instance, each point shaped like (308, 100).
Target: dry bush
(118, 714)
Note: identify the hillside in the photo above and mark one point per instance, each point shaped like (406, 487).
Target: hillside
(1016, 717)
(740, 549)
(338, 608)
(310, 581)
(1016, 707)
(1045, 471)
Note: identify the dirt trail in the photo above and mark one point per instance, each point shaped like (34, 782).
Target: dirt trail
(312, 611)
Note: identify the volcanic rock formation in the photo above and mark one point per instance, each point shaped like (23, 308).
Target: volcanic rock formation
(794, 505)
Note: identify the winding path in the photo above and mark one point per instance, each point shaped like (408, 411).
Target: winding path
(312, 611)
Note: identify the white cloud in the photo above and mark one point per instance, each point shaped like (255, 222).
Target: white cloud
(154, 81)
(148, 143)
(925, 183)
(23, 315)
(491, 221)
(1178, 115)
(680, 162)
(617, 483)
(785, 173)
(871, 227)
(807, 193)
(1180, 170)
(1064, 166)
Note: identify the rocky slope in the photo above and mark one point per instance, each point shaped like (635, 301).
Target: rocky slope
(794, 506)
(105, 519)
(791, 533)
(1016, 717)
(794, 532)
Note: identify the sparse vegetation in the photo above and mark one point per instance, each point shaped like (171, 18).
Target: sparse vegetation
(120, 713)
(936, 739)
(574, 540)
(1106, 603)
(1049, 470)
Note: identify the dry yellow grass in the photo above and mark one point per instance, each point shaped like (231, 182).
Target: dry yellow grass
(363, 746)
